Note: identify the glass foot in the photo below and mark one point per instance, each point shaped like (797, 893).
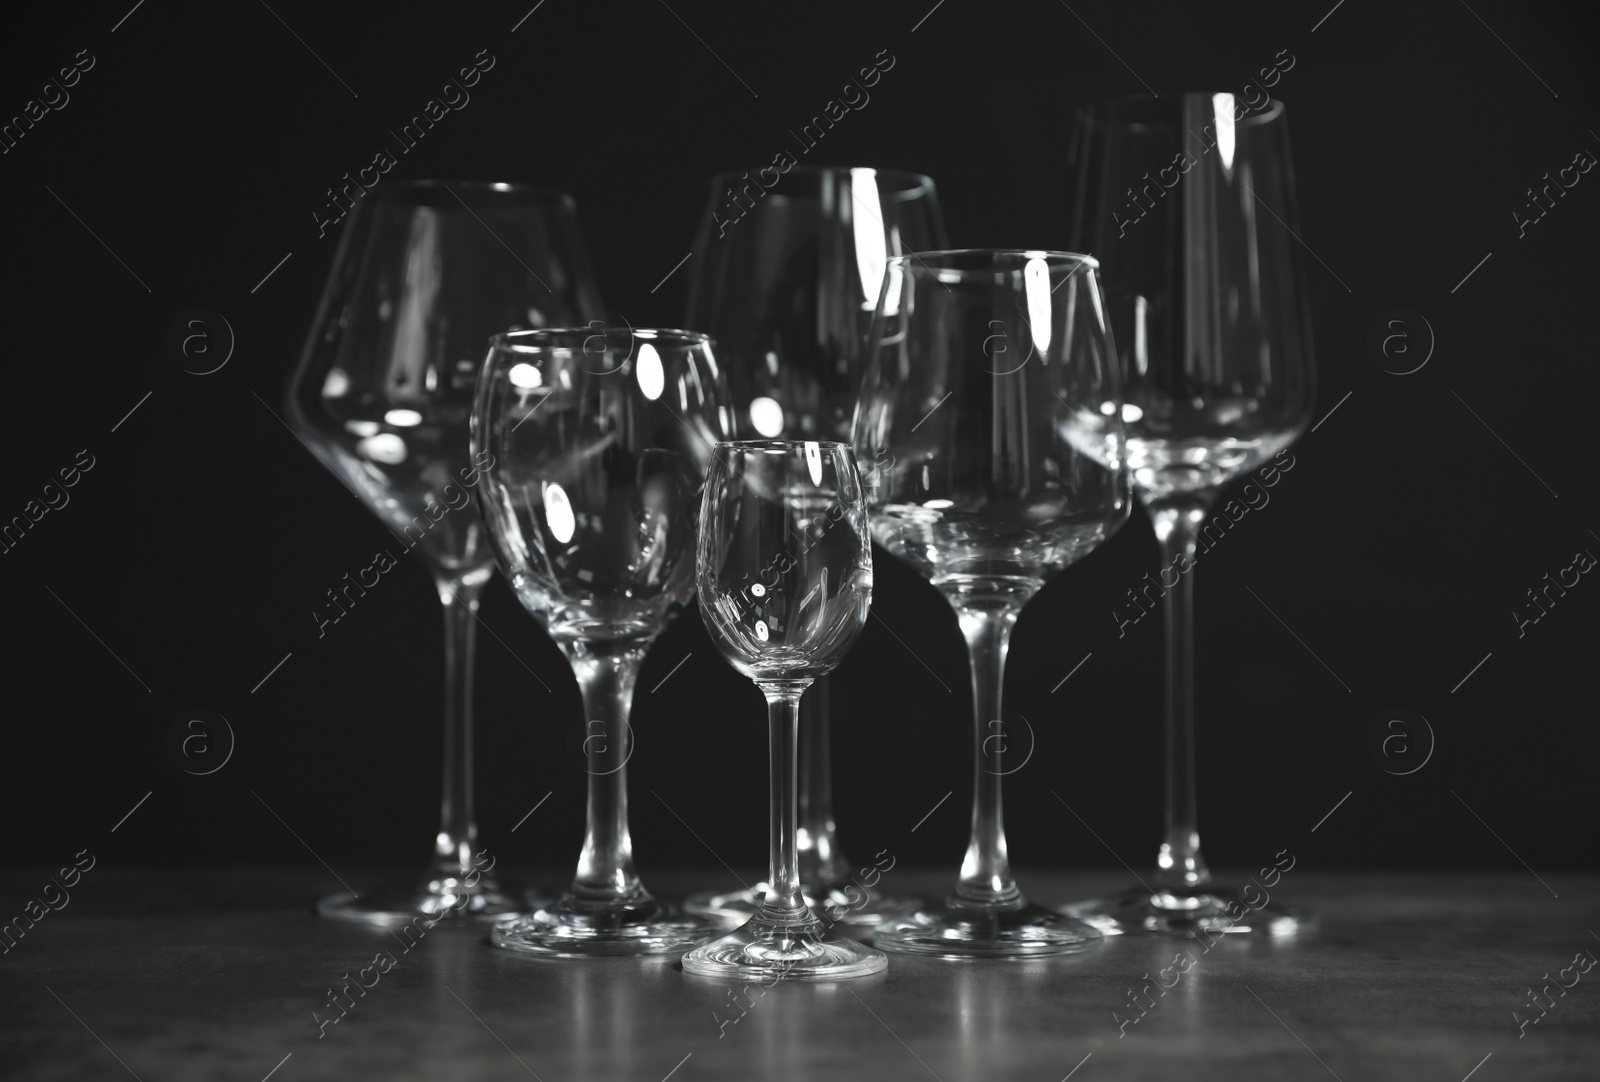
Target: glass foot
(960, 929)
(847, 907)
(1212, 909)
(577, 928)
(773, 947)
(448, 899)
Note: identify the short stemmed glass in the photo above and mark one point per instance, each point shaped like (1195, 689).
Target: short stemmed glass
(991, 415)
(785, 574)
(786, 286)
(1189, 202)
(426, 271)
(601, 438)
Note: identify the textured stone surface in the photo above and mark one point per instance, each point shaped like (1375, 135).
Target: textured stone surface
(214, 975)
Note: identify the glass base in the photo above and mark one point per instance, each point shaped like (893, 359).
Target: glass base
(960, 929)
(1187, 911)
(577, 928)
(773, 947)
(733, 908)
(392, 904)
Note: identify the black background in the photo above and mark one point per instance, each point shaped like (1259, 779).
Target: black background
(205, 135)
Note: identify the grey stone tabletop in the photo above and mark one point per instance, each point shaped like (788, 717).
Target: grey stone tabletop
(214, 974)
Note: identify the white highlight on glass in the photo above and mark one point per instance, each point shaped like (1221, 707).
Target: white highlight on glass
(558, 513)
(867, 221)
(1130, 412)
(766, 416)
(524, 375)
(403, 418)
(652, 378)
(385, 447)
(895, 280)
(1141, 333)
(814, 462)
(1222, 109)
(1036, 284)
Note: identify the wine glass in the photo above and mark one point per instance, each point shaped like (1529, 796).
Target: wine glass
(601, 438)
(785, 574)
(426, 271)
(1208, 306)
(787, 288)
(991, 414)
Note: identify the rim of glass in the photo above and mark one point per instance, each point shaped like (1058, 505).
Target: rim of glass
(1275, 110)
(524, 341)
(947, 257)
(787, 445)
(397, 190)
(915, 183)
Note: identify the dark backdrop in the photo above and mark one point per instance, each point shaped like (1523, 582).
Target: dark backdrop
(188, 162)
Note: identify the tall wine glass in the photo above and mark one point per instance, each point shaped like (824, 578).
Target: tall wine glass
(992, 415)
(1188, 201)
(785, 282)
(785, 573)
(425, 272)
(601, 439)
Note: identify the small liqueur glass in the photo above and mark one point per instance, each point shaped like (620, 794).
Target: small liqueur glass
(785, 574)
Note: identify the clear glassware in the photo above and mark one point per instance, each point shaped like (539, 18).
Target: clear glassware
(785, 574)
(601, 439)
(787, 290)
(1189, 201)
(991, 418)
(425, 272)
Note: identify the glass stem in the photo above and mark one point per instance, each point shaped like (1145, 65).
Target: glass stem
(458, 827)
(606, 673)
(821, 863)
(986, 870)
(1180, 865)
(783, 899)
